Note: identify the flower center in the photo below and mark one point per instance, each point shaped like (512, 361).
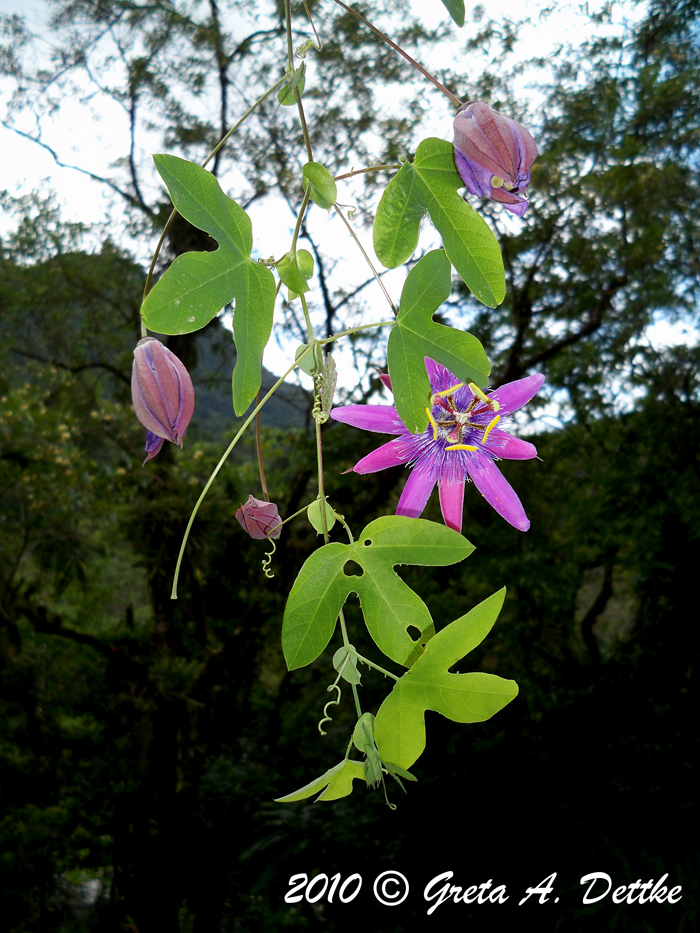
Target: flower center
(454, 425)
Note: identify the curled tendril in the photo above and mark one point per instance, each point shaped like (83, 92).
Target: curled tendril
(268, 560)
(334, 702)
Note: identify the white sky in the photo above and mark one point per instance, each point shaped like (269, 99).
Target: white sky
(80, 140)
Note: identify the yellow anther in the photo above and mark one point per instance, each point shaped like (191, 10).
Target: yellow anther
(432, 421)
(497, 181)
(484, 398)
(452, 390)
(461, 447)
(492, 424)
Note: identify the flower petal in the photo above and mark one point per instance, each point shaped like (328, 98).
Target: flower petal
(388, 455)
(499, 494)
(451, 503)
(415, 494)
(508, 447)
(380, 418)
(153, 446)
(514, 395)
(510, 201)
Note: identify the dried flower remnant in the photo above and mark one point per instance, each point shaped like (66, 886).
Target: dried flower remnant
(494, 155)
(162, 394)
(259, 518)
(461, 443)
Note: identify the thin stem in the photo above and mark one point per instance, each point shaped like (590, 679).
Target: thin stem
(367, 259)
(206, 162)
(354, 330)
(258, 444)
(221, 462)
(397, 48)
(300, 218)
(370, 168)
(375, 666)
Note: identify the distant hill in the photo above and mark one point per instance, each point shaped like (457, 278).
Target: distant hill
(215, 358)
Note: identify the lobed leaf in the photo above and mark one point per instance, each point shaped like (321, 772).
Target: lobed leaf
(428, 685)
(431, 184)
(199, 284)
(416, 336)
(389, 606)
(337, 782)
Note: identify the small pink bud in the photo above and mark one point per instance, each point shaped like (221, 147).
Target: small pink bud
(162, 394)
(259, 518)
(493, 154)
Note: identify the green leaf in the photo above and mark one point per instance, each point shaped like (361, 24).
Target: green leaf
(287, 96)
(456, 10)
(400, 722)
(390, 607)
(316, 518)
(416, 336)
(431, 183)
(337, 781)
(399, 214)
(320, 184)
(199, 284)
(363, 734)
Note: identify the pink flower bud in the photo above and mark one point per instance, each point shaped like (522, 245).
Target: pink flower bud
(259, 518)
(493, 154)
(162, 394)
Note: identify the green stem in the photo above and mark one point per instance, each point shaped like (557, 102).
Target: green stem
(355, 330)
(221, 462)
(397, 48)
(361, 171)
(367, 259)
(258, 444)
(300, 218)
(375, 666)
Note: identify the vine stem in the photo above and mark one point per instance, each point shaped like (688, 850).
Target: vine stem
(221, 462)
(370, 168)
(397, 48)
(258, 444)
(222, 142)
(367, 259)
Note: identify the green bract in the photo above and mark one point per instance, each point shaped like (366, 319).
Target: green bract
(199, 284)
(431, 184)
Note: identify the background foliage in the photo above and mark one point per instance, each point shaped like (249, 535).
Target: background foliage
(143, 740)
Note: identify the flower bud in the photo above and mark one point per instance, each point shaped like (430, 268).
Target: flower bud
(259, 518)
(162, 394)
(493, 154)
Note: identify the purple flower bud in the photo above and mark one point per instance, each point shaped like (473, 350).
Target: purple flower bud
(162, 394)
(493, 154)
(259, 518)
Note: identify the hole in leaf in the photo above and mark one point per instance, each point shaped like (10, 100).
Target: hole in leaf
(414, 628)
(352, 569)
(368, 542)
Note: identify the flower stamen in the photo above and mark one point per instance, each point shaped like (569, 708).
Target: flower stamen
(461, 447)
(492, 424)
(451, 391)
(491, 402)
(432, 421)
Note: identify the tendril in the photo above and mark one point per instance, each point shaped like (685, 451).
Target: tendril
(334, 702)
(268, 560)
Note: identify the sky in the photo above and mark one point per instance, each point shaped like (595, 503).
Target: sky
(81, 140)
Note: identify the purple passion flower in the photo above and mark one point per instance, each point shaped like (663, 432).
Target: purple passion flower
(259, 518)
(462, 441)
(162, 394)
(494, 155)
